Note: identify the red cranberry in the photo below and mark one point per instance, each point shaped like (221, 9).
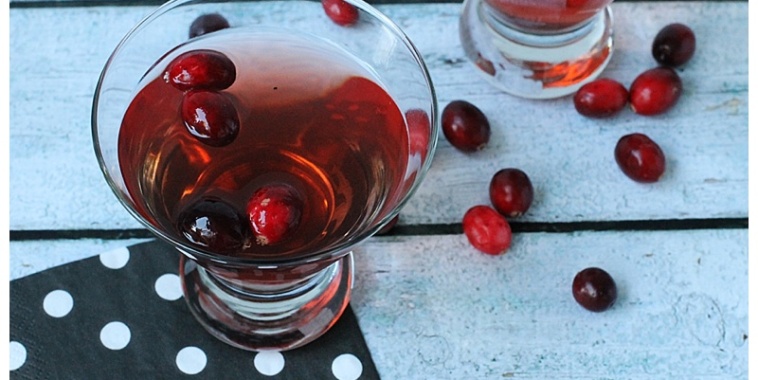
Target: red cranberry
(207, 23)
(340, 11)
(655, 91)
(465, 126)
(419, 127)
(601, 98)
(487, 230)
(274, 211)
(210, 117)
(640, 158)
(511, 192)
(674, 45)
(213, 224)
(594, 289)
(201, 69)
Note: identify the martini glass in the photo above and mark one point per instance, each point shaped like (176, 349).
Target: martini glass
(339, 112)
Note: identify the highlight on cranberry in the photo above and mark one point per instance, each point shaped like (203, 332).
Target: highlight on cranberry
(640, 158)
(487, 230)
(601, 98)
(210, 117)
(201, 69)
(511, 192)
(273, 212)
(207, 23)
(655, 91)
(341, 12)
(674, 45)
(594, 289)
(213, 224)
(465, 126)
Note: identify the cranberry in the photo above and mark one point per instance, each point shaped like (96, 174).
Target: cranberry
(340, 11)
(213, 224)
(419, 127)
(674, 45)
(465, 126)
(511, 192)
(594, 289)
(210, 117)
(601, 98)
(207, 23)
(655, 91)
(274, 211)
(201, 69)
(640, 158)
(487, 230)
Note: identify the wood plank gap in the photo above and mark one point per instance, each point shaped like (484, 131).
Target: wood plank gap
(433, 229)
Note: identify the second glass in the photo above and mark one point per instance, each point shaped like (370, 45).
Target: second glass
(538, 48)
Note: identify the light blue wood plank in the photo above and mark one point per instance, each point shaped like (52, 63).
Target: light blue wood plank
(434, 308)
(57, 54)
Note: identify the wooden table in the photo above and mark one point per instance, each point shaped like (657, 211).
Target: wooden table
(432, 307)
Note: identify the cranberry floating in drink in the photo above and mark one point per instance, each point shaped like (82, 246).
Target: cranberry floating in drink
(264, 152)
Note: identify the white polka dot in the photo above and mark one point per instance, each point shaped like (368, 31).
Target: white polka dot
(347, 367)
(115, 259)
(169, 287)
(191, 360)
(269, 363)
(18, 355)
(58, 303)
(115, 335)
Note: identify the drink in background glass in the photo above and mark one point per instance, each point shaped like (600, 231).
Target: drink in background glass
(538, 48)
(341, 117)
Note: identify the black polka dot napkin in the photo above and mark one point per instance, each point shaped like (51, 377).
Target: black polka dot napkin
(121, 315)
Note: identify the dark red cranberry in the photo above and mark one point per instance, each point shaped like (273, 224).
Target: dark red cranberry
(465, 126)
(600, 98)
(655, 91)
(207, 23)
(274, 211)
(213, 224)
(594, 289)
(201, 69)
(210, 117)
(340, 11)
(674, 45)
(640, 158)
(511, 192)
(389, 226)
(487, 230)
(419, 127)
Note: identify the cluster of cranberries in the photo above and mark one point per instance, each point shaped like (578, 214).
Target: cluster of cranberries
(511, 193)
(273, 210)
(653, 92)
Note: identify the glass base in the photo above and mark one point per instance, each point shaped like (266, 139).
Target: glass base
(535, 66)
(265, 316)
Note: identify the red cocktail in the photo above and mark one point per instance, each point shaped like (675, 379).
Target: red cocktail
(265, 151)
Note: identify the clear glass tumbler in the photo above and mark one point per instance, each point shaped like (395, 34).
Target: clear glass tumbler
(332, 120)
(538, 48)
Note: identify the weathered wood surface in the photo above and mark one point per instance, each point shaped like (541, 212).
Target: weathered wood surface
(433, 308)
(57, 54)
(430, 306)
